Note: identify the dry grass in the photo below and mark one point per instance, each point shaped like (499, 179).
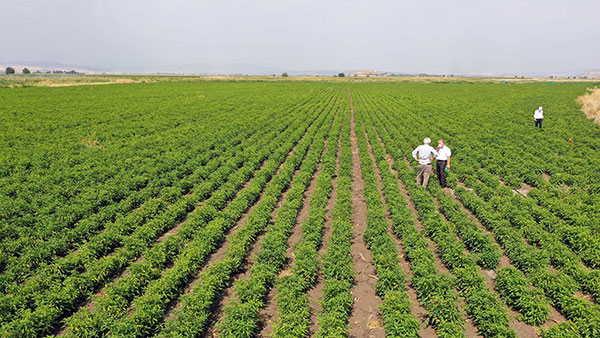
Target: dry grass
(590, 104)
(91, 141)
(49, 83)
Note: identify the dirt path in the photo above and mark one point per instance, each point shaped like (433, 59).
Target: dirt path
(365, 319)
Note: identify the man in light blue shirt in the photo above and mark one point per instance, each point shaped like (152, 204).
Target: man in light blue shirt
(424, 154)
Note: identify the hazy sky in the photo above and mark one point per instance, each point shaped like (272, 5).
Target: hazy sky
(435, 36)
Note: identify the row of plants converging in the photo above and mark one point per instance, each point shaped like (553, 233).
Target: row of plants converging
(532, 261)
(114, 303)
(526, 214)
(488, 313)
(60, 224)
(46, 251)
(434, 288)
(26, 264)
(518, 160)
(241, 316)
(54, 305)
(191, 316)
(533, 308)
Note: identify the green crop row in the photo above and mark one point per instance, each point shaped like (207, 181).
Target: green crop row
(519, 295)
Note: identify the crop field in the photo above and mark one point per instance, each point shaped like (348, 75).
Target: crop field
(291, 209)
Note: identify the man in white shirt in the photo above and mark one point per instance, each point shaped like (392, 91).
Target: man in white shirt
(538, 116)
(424, 154)
(442, 162)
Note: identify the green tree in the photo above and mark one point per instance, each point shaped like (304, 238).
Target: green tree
(10, 70)
(284, 74)
(26, 71)
(341, 75)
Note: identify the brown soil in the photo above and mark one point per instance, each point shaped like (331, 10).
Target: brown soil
(554, 318)
(268, 314)
(524, 189)
(365, 319)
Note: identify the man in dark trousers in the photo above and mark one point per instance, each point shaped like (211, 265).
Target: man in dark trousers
(443, 162)
(538, 117)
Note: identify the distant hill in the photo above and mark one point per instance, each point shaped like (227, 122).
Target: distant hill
(594, 74)
(44, 66)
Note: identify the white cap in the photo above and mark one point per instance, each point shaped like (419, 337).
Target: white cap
(540, 107)
(427, 140)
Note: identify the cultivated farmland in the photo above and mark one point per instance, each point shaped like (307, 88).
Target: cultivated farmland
(290, 209)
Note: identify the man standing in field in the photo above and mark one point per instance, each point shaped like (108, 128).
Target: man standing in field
(538, 116)
(424, 154)
(443, 162)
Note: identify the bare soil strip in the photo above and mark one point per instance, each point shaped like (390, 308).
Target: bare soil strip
(365, 319)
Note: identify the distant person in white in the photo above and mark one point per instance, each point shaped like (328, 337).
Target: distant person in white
(538, 116)
(442, 162)
(424, 154)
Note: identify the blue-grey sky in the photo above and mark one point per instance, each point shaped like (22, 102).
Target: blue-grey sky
(435, 36)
